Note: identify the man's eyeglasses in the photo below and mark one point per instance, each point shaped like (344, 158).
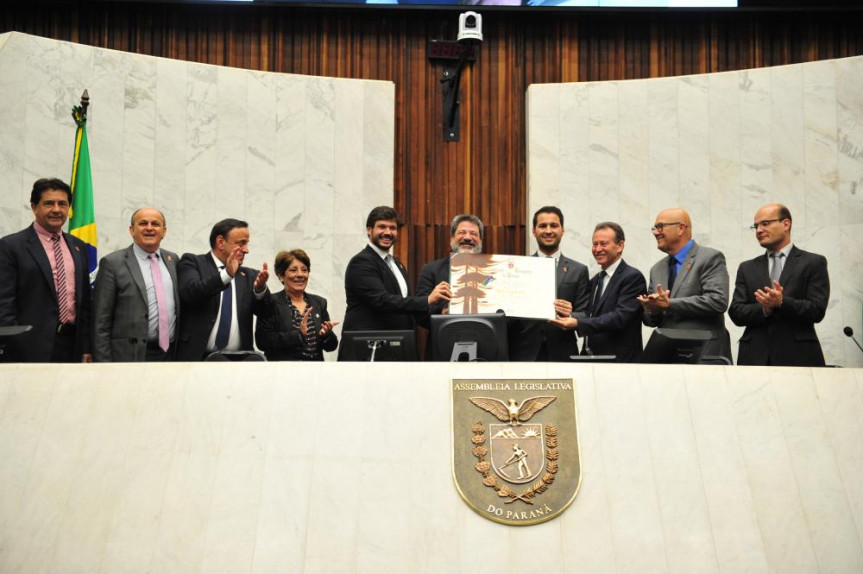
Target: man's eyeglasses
(660, 226)
(765, 223)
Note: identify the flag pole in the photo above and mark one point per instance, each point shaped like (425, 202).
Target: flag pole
(82, 216)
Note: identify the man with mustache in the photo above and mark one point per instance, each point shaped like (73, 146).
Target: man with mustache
(687, 290)
(466, 235)
(136, 299)
(376, 284)
(45, 282)
(541, 340)
(779, 296)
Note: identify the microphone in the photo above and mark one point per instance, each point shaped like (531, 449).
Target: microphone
(850, 333)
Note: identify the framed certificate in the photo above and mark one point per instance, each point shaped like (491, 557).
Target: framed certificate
(520, 286)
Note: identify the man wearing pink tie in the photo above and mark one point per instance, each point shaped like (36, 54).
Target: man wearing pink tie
(136, 300)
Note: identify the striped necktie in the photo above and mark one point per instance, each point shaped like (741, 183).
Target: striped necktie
(62, 301)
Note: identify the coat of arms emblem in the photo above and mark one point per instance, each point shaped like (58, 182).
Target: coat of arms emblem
(515, 451)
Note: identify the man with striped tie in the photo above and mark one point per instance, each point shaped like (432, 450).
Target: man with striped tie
(44, 282)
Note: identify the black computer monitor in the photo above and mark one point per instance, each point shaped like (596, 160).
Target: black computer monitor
(468, 337)
(378, 346)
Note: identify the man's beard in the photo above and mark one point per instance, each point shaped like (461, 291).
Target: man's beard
(549, 248)
(466, 248)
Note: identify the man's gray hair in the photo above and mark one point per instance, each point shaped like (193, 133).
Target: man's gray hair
(466, 217)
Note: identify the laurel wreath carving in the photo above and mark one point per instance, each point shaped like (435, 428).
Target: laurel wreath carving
(504, 491)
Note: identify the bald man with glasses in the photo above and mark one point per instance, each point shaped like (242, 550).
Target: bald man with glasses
(688, 289)
(779, 296)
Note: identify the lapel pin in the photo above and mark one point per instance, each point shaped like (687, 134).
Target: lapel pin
(563, 268)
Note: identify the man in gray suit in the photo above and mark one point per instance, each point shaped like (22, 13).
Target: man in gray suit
(687, 290)
(540, 340)
(136, 300)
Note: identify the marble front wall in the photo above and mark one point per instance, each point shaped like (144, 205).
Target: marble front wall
(719, 145)
(303, 159)
(336, 467)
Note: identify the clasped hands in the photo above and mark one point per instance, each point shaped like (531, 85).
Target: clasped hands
(326, 326)
(770, 298)
(657, 302)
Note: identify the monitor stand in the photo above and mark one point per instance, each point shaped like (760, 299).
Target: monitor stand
(463, 351)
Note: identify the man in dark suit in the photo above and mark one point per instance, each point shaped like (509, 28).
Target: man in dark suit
(544, 341)
(466, 235)
(779, 296)
(44, 282)
(376, 285)
(697, 293)
(219, 296)
(136, 298)
(613, 322)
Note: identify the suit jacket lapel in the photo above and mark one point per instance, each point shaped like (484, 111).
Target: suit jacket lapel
(563, 265)
(135, 271)
(387, 272)
(171, 264)
(591, 287)
(762, 271)
(34, 245)
(404, 275)
(788, 268)
(684, 269)
(611, 283)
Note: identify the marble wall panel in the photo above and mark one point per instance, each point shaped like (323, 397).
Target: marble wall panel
(603, 192)
(756, 165)
(259, 161)
(663, 145)
(235, 112)
(169, 178)
(720, 145)
(302, 159)
(635, 207)
(686, 469)
(13, 63)
(544, 169)
(694, 143)
(378, 145)
(849, 116)
(139, 123)
(105, 132)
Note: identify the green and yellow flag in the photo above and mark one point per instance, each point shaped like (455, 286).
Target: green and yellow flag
(82, 216)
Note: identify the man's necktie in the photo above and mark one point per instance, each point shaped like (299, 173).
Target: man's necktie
(598, 295)
(672, 271)
(164, 329)
(224, 331)
(776, 266)
(62, 303)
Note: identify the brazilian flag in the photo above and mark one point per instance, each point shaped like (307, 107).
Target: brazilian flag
(82, 216)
